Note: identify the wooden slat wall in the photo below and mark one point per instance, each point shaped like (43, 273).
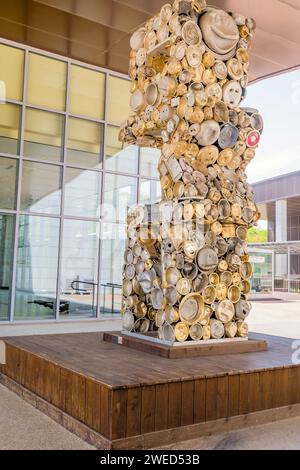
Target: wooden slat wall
(126, 412)
(79, 396)
(189, 402)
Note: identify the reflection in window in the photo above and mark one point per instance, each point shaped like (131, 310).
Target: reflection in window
(8, 170)
(36, 268)
(79, 268)
(82, 193)
(124, 161)
(11, 72)
(149, 162)
(150, 192)
(262, 263)
(46, 84)
(119, 193)
(6, 257)
(118, 99)
(10, 120)
(87, 91)
(85, 140)
(41, 188)
(43, 135)
(113, 245)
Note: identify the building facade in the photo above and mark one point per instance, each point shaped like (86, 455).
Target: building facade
(65, 184)
(65, 181)
(279, 229)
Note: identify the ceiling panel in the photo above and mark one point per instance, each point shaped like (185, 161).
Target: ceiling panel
(98, 31)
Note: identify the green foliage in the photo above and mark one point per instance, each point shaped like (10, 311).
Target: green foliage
(256, 235)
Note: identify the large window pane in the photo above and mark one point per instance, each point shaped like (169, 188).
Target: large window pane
(6, 256)
(149, 162)
(119, 193)
(10, 120)
(150, 192)
(8, 175)
(11, 72)
(119, 160)
(36, 268)
(82, 192)
(87, 91)
(41, 188)
(43, 135)
(118, 99)
(112, 255)
(79, 268)
(85, 140)
(46, 82)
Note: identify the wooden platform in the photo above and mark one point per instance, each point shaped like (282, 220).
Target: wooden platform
(151, 345)
(116, 397)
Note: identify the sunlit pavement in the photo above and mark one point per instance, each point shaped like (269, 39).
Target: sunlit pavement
(280, 435)
(24, 427)
(276, 318)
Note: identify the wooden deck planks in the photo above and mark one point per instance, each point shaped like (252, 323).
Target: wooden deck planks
(144, 367)
(87, 379)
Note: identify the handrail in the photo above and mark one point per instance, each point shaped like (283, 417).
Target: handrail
(111, 284)
(91, 283)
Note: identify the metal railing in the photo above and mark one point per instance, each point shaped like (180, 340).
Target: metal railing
(286, 285)
(110, 285)
(85, 291)
(113, 288)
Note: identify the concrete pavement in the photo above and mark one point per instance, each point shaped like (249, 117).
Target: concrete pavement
(23, 427)
(281, 435)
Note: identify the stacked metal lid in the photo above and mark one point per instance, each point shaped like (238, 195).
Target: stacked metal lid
(187, 271)
(189, 70)
(181, 278)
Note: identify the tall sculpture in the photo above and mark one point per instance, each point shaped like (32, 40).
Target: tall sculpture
(187, 269)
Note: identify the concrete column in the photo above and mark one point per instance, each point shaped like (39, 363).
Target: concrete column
(281, 236)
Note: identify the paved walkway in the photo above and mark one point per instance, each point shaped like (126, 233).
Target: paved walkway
(276, 318)
(22, 427)
(45, 328)
(281, 435)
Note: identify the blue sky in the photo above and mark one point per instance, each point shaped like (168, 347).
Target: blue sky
(278, 100)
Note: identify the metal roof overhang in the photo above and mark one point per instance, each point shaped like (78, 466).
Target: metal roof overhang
(98, 31)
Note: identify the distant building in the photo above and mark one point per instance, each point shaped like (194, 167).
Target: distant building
(279, 202)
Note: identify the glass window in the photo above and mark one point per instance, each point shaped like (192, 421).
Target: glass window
(11, 72)
(46, 82)
(118, 99)
(112, 255)
(82, 192)
(119, 193)
(85, 140)
(6, 257)
(149, 162)
(43, 135)
(79, 268)
(150, 192)
(41, 188)
(36, 268)
(8, 179)
(87, 90)
(262, 263)
(10, 120)
(125, 160)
